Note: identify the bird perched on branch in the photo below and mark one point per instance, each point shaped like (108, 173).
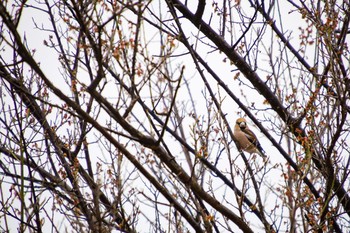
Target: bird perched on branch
(246, 138)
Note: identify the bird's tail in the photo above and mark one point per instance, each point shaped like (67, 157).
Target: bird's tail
(261, 151)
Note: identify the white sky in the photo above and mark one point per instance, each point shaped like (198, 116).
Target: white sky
(49, 63)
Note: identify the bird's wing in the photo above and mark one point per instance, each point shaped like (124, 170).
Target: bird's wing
(250, 136)
(253, 139)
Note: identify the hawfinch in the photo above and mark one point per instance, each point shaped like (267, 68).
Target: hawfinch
(246, 138)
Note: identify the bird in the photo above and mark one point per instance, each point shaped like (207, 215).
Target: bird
(246, 139)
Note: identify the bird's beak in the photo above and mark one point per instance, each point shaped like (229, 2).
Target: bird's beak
(242, 125)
